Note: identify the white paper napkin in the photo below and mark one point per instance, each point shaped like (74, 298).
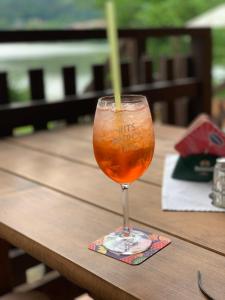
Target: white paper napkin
(184, 195)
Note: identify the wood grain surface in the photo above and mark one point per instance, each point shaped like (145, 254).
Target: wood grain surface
(67, 175)
(54, 201)
(64, 226)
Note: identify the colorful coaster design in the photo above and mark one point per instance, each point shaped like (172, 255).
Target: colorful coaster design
(158, 243)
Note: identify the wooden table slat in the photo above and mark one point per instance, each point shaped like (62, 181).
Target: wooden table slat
(84, 132)
(52, 204)
(65, 226)
(86, 183)
(82, 140)
(82, 152)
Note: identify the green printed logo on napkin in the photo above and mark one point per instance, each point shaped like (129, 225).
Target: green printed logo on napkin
(198, 167)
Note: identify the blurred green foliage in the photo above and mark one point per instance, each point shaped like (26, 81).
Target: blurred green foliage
(33, 14)
(130, 13)
(158, 13)
(18, 95)
(218, 46)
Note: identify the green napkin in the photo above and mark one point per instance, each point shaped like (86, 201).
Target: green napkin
(198, 167)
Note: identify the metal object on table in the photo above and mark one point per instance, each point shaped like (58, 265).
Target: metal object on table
(199, 278)
(218, 193)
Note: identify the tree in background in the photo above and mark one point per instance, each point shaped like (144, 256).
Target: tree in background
(157, 13)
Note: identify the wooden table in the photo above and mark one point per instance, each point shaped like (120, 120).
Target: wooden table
(54, 201)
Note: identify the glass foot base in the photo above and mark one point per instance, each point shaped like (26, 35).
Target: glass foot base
(218, 199)
(126, 244)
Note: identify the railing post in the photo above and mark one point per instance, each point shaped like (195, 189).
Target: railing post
(37, 90)
(4, 99)
(202, 55)
(37, 84)
(126, 75)
(70, 89)
(146, 70)
(69, 81)
(167, 73)
(4, 91)
(138, 52)
(98, 72)
(141, 50)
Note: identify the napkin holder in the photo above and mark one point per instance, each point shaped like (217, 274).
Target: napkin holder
(197, 167)
(199, 148)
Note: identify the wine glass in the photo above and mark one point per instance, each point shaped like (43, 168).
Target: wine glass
(123, 142)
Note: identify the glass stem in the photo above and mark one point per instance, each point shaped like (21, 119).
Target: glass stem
(126, 227)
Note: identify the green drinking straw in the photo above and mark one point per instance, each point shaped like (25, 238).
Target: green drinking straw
(114, 52)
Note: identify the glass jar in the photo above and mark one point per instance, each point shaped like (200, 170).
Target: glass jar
(218, 194)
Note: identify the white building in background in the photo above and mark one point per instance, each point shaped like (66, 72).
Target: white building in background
(214, 18)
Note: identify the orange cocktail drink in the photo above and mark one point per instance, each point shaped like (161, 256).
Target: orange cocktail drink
(123, 140)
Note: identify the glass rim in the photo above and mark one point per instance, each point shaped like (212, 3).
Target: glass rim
(111, 98)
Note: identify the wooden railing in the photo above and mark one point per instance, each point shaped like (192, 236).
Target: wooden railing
(166, 85)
